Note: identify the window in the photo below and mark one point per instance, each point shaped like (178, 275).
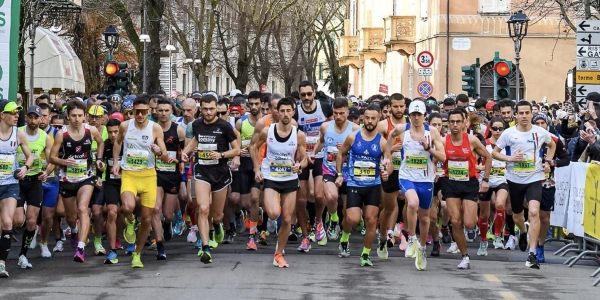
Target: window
(494, 6)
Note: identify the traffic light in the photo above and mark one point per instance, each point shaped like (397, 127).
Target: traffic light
(502, 74)
(123, 79)
(470, 79)
(117, 78)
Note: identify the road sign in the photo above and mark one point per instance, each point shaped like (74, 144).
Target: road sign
(425, 88)
(587, 52)
(383, 89)
(425, 59)
(425, 71)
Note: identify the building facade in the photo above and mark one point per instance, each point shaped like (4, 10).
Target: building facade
(383, 39)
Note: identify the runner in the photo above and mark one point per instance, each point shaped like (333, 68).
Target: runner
(212, 139)
(75, 172)
(310, 115)
(497, 185)
(364, 148)
(189, 111)
(97, 117)
(283, 161)
(460, 186)
(420, 145)
(169, 177)
(333, 134)
(137, 138)
(31, 185)
(438, 205)
(10, 139)
(525, 173)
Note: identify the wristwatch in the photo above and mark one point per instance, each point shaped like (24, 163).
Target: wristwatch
(428, 147)
(222, 155)
(485, 179)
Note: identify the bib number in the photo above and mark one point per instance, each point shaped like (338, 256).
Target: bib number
(396, 160)
(7, 163)
(364, 171)
(78, 171)
(204, 151)
(110, 164)
(458, 170)
(498, 169)
(136, 159)
(332, 153)
(280, 168)
(416, 160)
(311, 141)
(167, 167)
(245, 144)
(525, 166)
(37, 163)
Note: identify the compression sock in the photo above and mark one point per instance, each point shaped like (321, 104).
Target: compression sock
(26, 242)
(499, 221)
(345, 237)
(483, 228)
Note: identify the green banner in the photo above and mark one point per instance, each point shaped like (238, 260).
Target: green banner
(9, 46)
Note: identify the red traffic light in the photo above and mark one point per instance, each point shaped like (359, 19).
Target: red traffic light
(111, 69)
(502, 68)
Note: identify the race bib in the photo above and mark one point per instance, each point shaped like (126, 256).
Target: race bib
(311, 141)
(396, 160)
(416, 160)
(458, 170)
(440, 169)
(498, 169)
(245, 144)
(37, 163)
(7, 163)
(77, 172)
(136, 159)
(204, 151)
(364, 171)
(110, 164)
(167, 167)
(280, 168)
(332, 153)
(525, 166)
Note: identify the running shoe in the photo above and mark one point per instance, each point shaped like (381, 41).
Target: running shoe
(161, 255)
(359, 227)
(437, 248)
(228, 237)
(305, 245)
(382, 251)
(365, 260)
(333, 232)
(540, 254)
(3, 273)
(74, 240)
(320, 233)
(482, 251)
(129, 231)
(498, 244)
(198, 244)
(45, 251)
(312, 235)
(153, 246)
(390, 240)
(532, 261)
(118, 244)
(79, 257)
(292, 237)
(511, 243)
(363, 231)
(192, 236)
(344, 249)
(453, 248)
(465, 264)
(219, 234)
(397, 230)
(98, 248)
(470, 235)
(411, 249)
(421, 261)
(111, 258)
(179, 227)
(240, 226)
(279, 261)
(428, 241)
(251, 245)
(130, 249)
(33, 243)
(24, 263)
(262, 238)
(167, 231)
(213, 244)
(523, 241)
(136, 260)
(490, 235)
(403, 243)
(205, 256)
(446, 238)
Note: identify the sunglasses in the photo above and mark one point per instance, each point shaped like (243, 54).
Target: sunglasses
(140, 111)
(494, 128)
(57, 126)
(455, 122)
(128, 112)
(13, 112)
(221, 113)
(94, 117)
(309, 94)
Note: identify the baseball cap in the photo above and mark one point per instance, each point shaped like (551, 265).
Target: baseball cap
(417, 106)
(490, 106)
(353, 112)
(34, 109)
(101, 97)
(6, 106)
(118, 116)
(96, 110)
(107, 107)
(593, 96)
(196, 95)
(234, 93)
(116, 98)
(233, 108)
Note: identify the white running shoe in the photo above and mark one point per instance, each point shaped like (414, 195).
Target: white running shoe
(34, 239)
(498, 244)
(24, 263)
(45, 251)
(59, 247)
(191, 237)
(512, 242)
(411, 249)
(397, 231)
(453, 248)
(421, 260)
(465, 264)
(482, 251)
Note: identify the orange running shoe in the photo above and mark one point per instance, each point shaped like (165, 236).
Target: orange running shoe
(262, 238)
(251, 243)
(279, 261)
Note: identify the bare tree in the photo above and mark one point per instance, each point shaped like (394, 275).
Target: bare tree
(568, 10)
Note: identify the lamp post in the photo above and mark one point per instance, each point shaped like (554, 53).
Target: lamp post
(517, 30)
(144, 38)
(111, 40)
(36, 19)
(170, 48)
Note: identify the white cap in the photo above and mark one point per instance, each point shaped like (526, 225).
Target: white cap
(234, 93)
(417, 106)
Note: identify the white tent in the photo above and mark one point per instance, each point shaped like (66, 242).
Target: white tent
(56, 66)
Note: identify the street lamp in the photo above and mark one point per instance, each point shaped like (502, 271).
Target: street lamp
(517, 30)
(36, 19)
(111, 40)
(170, 48)
(144, 38)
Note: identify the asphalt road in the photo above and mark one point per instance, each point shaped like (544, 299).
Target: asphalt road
(239, 274)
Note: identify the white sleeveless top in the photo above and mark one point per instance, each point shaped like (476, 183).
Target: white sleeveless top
(280, 156)
(310, 124)
(137, 154)
(417, 164)
(8, 158)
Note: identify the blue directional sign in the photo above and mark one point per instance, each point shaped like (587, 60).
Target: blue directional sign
(425, 88)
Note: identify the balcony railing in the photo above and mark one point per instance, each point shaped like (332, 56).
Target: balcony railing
(399, 29)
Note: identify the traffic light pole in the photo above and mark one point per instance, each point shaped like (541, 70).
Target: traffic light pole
(518, 74)
(477, 78)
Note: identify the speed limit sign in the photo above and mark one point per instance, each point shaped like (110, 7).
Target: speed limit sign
(425, 59)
